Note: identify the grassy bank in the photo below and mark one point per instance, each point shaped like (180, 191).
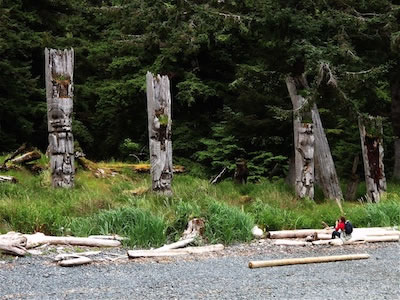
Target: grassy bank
(108, 206)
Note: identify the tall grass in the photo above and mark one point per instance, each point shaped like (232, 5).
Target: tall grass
(107, 206)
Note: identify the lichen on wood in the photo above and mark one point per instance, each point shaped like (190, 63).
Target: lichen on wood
(59, 65)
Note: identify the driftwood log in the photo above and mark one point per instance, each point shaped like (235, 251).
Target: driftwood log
(305, 260)
(13, 243)
(371, 134)
(34, 240)
(10, 179)
(175, 252)
(76, 261)
(59, 66)
(159, 126)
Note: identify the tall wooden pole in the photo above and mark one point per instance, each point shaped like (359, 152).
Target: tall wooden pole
(303, 145)
(59, 66)
(159, 124)
(371, 134)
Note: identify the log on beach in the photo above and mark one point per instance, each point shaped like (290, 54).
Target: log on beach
(305, 260)
(174, 252)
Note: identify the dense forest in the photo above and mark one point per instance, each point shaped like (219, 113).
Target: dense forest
(227, 61)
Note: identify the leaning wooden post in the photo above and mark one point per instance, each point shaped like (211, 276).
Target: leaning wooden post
(371, 134)
(59, 65)
(159, 123)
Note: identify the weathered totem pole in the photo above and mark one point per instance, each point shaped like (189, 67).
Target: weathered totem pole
(59, 65)
(371, 134)
(305, 165)
(303, 145)
(159, 123)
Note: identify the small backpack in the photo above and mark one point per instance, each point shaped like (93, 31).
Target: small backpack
(348, 227)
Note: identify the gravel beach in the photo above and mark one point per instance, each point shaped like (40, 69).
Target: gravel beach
(222, 275)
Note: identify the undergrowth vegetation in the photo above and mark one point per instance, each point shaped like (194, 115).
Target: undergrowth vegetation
(123, 205)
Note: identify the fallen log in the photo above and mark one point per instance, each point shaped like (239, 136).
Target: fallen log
(34, 240)
(291, 242)
(176, 245)
(10, 179)
(108, 237)
(12, 249)
(174, 252)
(27, 157)
(82, 260)
(299, 233)
(305, 260)
(75, 255)
(13, 243)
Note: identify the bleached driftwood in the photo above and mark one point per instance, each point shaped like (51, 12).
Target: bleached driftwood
(195, 228)
(10, 179)
(305, 260)
(82, 260)
(299, 233)
(291, 243)
(115, 237)
(34, 240)
(257, 232)
(13, 243)
(75, 255)
(174, 252)
(176, 245)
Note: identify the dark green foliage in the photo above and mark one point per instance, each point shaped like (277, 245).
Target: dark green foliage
(227, 62)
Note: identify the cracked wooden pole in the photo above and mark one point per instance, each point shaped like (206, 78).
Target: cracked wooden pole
(303, 144)
(59, 66)
(159, 124)
(371, 134)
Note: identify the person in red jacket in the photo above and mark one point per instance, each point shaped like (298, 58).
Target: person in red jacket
(339, 228)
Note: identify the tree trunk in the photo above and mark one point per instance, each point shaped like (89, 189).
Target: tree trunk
(303, 146)
(372, 151)
(59, 67)
(396, 126)
(159, 124)
(326, 171)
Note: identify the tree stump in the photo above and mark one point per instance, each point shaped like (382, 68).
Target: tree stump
(59, 65)
(159, 125)
(371, 134)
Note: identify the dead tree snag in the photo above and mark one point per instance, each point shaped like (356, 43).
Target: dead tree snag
(59, 65)
(159, 124)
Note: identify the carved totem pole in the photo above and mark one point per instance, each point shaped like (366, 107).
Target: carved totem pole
(159, 123)
(305, 166)
(371, 134)
(59, 65)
